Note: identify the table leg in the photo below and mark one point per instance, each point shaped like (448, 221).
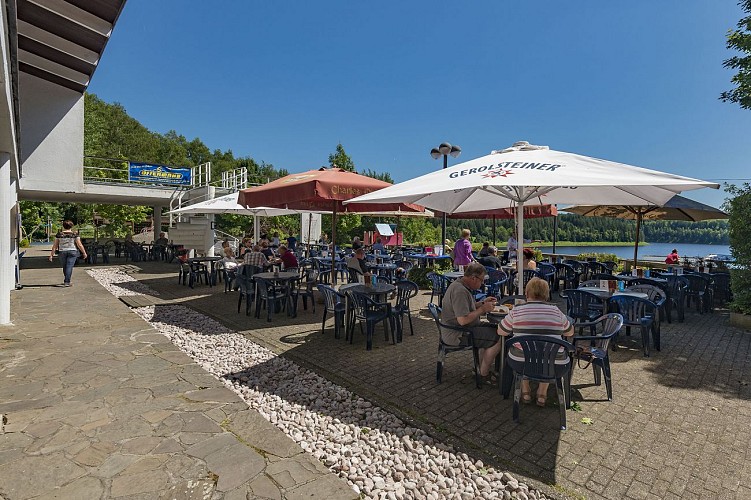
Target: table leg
(506, 376)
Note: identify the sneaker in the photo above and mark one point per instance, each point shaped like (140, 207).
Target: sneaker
(67, 284)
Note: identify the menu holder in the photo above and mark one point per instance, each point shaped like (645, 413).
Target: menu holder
(612, 284)
(604, 284)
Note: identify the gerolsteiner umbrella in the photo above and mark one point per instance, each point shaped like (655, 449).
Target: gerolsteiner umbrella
(676, 208)
(523, 173)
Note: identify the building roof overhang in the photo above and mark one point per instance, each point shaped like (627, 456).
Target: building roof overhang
(61, 41)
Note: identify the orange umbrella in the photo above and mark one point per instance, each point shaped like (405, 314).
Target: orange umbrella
(321, 190)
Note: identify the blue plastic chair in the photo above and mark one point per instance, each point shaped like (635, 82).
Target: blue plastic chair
(593, 349)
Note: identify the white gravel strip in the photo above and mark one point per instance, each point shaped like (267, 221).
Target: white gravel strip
(373, 450)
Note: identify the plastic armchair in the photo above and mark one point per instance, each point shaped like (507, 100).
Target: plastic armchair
(721, 286)
(593, 349)
(637, 312)
(366, 309)
(468, 342)
(405, 290)
(540, 354)
(569, 275)
(527, 274)
(306, 287)
(354, 275)
(697, 292)
(657, 296)
(676, 288)
(438, 285)
(335, 304)
(584, 307)
(324, 270)
(246, 287)
(272, 296)
(497, 281)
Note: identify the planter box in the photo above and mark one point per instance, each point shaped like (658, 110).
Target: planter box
(739, 320)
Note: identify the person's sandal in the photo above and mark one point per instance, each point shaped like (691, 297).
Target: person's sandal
(541, 400)
(526, 398)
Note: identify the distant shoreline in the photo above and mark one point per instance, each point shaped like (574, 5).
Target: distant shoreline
(547, 244)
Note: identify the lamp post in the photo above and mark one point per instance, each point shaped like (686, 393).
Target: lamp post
(445, 149)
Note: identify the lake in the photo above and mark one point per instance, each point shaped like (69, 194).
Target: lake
(652, 251)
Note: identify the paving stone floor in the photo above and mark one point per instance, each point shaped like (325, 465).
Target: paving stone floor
(678, 426)
(94, 403)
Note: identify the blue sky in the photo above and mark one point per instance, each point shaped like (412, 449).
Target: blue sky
(284, 82)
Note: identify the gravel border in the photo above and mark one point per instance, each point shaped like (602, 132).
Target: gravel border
(373, 450)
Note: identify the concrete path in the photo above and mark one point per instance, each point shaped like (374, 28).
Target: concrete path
(94, 403)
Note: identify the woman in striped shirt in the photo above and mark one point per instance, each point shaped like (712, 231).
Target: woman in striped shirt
(536, 317)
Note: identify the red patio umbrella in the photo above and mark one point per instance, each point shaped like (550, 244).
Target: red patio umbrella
(321, 190)
(530, 212)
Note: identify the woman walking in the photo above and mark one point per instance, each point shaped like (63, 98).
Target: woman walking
(69, 245)
(463, 251)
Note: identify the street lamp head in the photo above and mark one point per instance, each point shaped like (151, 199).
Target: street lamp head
(455, 151)
(444, 148)
(435, 153)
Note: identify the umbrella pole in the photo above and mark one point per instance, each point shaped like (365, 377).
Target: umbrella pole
(493, 230)
(333, 246)
(520, 247)
(638, 227)
(555, 232)
(256, 230)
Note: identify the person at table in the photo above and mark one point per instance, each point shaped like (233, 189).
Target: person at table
(291, 243)
(356, 243)
(287, 258)
(268, 252)
(673, 259)
(228, 261)
(529, 259)
(512, 246)
(275, 240)
(463, 250)
(448, 247)
(378, 247)
(461, 309)
(160, 245)
(323, 240)
(357, 262)
(491, 260)
(256, 258)
(536, 317)
(485, 250)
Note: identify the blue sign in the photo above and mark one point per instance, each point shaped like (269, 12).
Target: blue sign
(158, 174)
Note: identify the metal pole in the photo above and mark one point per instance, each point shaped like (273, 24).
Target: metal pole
(555, 231)
(443, 226)
(520, 248)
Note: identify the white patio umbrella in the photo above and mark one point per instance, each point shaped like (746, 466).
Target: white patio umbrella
(227, 204)
(525, 172)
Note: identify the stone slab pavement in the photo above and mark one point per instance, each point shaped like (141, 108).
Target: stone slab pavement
(94, 403)
(679, 425)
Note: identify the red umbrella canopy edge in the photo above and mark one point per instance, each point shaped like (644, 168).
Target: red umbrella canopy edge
(324, 190)
(530, 212)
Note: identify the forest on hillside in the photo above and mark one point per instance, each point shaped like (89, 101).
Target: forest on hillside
(113, 137)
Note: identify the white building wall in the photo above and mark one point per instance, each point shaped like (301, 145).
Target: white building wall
(51, 136)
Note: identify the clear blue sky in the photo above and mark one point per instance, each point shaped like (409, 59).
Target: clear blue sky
(284, 82)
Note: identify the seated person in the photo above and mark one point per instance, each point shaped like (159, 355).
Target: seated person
(673, 259)
(287, 258)
(275, 240)
(291, 243)
(356, 243)
(160, 245)
(268, 252)
(529, 259)
(491, 259)
(254, 257)
(536, 317)
(228, 261)
(357, 262)
(378, 247)
(485, 250)
(460, 309)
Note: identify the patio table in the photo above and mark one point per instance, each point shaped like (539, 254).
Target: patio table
(282, 279)
(212, 260)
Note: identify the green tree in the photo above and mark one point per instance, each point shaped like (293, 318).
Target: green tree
(740, 40)
(341, 159)
(739, 209)
(384, 176)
